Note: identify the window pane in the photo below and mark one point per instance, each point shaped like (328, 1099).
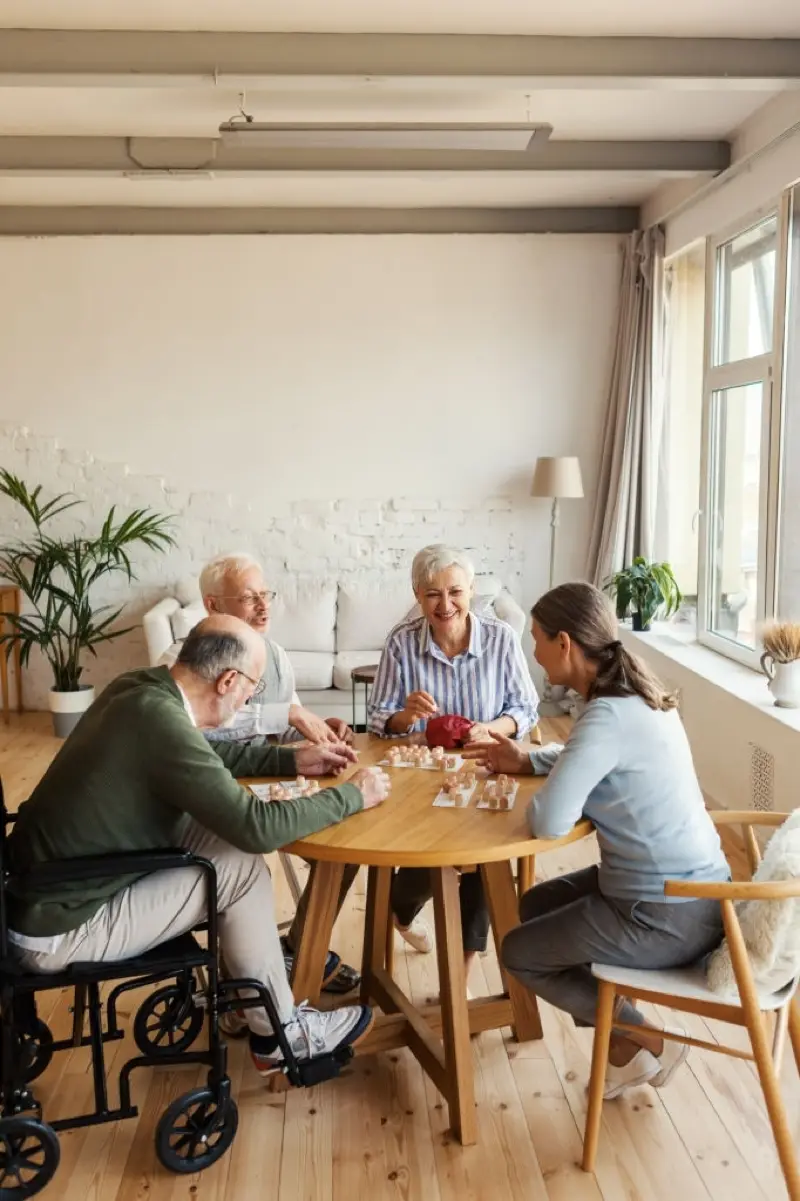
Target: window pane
(734, 516)
(746, 294)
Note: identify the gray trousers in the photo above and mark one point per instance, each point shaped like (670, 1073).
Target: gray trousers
(567, 924)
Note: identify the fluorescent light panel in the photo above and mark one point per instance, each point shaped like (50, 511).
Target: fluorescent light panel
(384, 137)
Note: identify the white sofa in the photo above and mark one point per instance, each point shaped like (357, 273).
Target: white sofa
(327, 627)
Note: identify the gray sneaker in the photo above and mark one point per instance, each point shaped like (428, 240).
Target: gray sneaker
(312, 1032)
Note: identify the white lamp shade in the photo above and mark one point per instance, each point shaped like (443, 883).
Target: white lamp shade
(557, 477)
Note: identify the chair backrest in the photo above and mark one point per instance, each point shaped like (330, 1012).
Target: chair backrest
(770, 927)
(6, 819)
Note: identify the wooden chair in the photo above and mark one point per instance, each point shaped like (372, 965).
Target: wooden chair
(685, 989)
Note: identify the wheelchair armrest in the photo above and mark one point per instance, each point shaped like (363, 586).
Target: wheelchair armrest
(94, 867)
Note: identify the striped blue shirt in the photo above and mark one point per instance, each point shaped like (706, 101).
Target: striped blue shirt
(489, 680)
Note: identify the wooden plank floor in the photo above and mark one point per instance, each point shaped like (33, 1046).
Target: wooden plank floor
(380, 1131)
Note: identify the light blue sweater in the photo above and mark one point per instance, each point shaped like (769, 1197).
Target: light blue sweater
(628, 768)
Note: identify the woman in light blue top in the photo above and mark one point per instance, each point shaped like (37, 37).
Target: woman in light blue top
(626, 766)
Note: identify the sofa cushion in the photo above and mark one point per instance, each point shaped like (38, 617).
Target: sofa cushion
(345, 661)
(304, 615)
(312, 669)
(184, 620)
(368, 609)
(187, 590)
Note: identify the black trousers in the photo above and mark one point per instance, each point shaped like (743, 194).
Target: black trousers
(412, 889)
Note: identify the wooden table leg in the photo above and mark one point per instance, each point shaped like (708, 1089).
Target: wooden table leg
(309, 960)
(376, 923)
(526, 874)
(455, 1017)
(501, 895)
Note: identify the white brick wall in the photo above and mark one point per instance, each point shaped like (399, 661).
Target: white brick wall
(332, 537)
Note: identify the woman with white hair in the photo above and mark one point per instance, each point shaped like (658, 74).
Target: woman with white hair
(449, 660)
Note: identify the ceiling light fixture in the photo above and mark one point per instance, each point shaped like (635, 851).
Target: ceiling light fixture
(259, 134)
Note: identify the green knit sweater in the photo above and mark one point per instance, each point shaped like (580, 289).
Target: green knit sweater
(126, 779)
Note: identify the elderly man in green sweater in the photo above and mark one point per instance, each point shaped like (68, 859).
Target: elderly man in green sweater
(137, 774)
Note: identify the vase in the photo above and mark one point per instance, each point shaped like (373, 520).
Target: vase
(68, 708)
(640, 626)
(784, 681)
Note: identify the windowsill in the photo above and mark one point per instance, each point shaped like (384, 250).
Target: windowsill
(745, 683)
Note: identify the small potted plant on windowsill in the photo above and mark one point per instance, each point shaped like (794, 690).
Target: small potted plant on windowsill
(645, 590)
(56, 577)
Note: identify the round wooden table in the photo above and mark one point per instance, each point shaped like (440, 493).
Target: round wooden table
(407, 831)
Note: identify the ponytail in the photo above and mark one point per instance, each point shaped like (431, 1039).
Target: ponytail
(585, 614)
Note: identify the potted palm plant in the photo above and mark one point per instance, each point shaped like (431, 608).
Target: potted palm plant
(645, 590)
(56, 576)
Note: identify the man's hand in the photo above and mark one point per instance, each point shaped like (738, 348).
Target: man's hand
(500, 754)
(327, 759)
(374, 784)
(419, 706)
(340, 729)
(314, 728)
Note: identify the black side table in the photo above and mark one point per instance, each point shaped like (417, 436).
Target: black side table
(365, 676)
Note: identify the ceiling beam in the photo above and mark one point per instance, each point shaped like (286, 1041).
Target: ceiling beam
(54, 221)
(132, 55)
(79, 154)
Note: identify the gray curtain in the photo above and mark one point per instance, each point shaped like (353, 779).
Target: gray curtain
(631, 454)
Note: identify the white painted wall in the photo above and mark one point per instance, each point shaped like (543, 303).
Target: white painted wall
(236, 381)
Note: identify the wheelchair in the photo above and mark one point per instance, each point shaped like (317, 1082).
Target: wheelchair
(197, 1128)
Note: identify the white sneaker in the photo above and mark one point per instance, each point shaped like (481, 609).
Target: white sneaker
(640, 1070)
(311, 1032)
(417, 935)
(671, 1058)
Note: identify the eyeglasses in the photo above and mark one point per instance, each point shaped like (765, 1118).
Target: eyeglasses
(258, 685)
(251, 599)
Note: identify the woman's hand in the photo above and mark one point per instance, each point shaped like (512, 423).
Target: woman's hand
(419, 706)
(499, 754)
(478, 732)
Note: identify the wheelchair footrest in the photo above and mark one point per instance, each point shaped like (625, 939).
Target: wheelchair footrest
(306, 1072)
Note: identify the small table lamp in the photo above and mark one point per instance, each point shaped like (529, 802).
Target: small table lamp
(559, 479)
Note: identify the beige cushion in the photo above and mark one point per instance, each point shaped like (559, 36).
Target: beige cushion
(369, 608)
(771, 929)
(312, 669)
(344, 663)
(304, 615)
(186, 619)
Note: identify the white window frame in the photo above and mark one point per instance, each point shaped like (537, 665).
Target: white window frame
(766, 369)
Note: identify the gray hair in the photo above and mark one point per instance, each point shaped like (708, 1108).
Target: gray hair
(215, 574)
(429, 561)
(209, 655)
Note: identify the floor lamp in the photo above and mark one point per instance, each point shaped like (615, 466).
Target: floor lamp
(557, 479)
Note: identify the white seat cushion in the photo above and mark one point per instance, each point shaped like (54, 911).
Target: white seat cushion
(344, 663)
(369, 608)
(303, 615)
(688, 982)
(312, 669)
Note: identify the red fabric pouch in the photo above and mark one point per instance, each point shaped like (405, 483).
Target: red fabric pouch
(448, 731)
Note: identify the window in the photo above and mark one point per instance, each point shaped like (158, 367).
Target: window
(745, 306)
(788, 604)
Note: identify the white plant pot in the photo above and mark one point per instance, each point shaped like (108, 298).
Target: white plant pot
(784, 681)
(67, 708)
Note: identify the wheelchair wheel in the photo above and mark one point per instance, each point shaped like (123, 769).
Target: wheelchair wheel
(35, 1050)
(167, 1021)
(29, 1155)
(194, 1133)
